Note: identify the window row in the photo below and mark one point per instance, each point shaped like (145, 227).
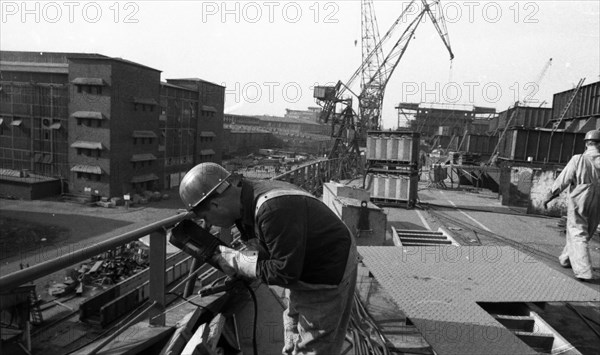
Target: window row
(142, 140)
(89, 89)
(88, 176)
(141, 164)
(143, 107)
(185, 159)
(96, 153)
(89, 122)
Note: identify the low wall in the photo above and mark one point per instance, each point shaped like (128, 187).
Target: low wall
(29, 190)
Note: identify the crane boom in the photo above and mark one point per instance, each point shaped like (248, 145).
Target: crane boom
(376, 74)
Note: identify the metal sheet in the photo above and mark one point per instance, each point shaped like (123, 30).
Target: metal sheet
(438, 288)
(480, 144)
(586, 103)
(541, 146)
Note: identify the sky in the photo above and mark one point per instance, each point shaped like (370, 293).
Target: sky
(270, 54)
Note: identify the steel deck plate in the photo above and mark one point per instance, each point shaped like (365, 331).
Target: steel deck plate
(438, 288)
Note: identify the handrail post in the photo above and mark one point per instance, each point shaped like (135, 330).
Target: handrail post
(158, 255)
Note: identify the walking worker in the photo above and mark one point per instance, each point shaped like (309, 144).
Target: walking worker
(582, 176)
(309, 250)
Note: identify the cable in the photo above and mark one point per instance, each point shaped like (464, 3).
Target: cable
(255, 322)
(186, 300)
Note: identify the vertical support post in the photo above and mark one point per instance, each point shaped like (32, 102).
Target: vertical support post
(27, 333)
(158, 251)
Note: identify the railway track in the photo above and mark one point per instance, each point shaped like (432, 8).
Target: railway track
(451, 222)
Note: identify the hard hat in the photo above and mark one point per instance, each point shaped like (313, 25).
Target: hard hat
(201, 181)
(593, 135)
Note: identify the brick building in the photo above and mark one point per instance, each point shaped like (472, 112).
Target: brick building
(103, 125)
(191, 125)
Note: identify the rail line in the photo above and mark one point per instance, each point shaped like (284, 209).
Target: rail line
(448, 221)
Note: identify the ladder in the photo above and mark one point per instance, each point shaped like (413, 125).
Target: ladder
(35, 311)
(563, 113)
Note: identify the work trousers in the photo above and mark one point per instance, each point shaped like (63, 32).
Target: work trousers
(316, 319)
(583, 215)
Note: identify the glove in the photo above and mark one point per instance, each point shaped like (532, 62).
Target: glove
(234, 262)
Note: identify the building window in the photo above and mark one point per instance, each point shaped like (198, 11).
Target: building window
(97, 153)
(88, 176)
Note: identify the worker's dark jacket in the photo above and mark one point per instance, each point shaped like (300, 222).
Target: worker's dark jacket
(304, 239)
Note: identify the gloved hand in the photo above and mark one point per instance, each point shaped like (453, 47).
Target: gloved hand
(234, 262)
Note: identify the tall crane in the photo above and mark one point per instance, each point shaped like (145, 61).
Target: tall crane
(372, 78)
(347, 127)
(538, 79)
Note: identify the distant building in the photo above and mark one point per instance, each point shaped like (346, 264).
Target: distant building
(191, 125)
(103, 125)
(432, 119)
(241, 120)
(246, 134)
(311, 114)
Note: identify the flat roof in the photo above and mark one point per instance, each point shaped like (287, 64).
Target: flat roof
(114, 59)
(196, 80)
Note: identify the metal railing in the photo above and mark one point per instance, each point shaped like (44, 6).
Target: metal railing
(157, 258)
(310, 177)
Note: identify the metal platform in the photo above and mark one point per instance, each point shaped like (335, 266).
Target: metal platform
(438, 288)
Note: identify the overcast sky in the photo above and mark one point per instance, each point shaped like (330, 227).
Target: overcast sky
(270, 54)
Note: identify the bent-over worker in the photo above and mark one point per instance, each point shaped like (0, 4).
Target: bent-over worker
(309, 250)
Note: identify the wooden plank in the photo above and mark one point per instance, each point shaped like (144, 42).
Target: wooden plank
(96, 266)
(205, 339)
(183, 333)
(135, 340)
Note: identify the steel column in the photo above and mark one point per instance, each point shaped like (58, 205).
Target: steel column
(158, 256)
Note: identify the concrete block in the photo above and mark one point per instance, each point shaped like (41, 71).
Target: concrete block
(346, 202)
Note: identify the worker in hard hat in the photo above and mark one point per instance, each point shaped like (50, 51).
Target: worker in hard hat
(582, 176)
(309, 250)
